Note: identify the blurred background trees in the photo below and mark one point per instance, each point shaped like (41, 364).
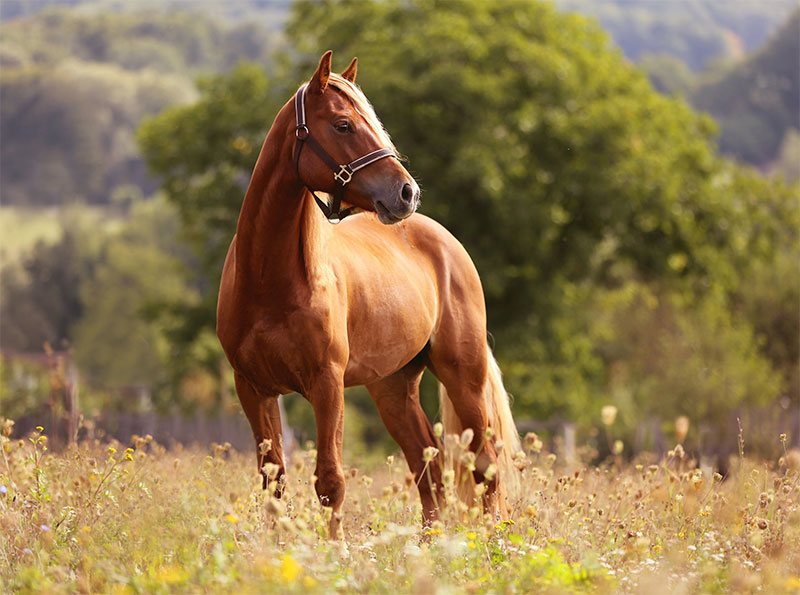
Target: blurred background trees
(625, 259)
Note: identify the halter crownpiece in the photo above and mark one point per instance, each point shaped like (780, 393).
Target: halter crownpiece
(342, 173)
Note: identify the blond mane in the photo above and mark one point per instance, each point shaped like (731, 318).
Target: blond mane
(362, 105)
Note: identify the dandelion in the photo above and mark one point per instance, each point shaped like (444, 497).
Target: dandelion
(390, 460)
(290, 569)
(232, 519)
(487, 435)
(472, 535)
(438, 429)
(608, 415)
(111, 450)
(619, 446)
(308, 582)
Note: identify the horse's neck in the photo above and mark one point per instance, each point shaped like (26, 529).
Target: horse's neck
(281, 237)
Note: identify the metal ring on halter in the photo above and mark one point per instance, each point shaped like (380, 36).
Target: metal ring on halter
(305, 132)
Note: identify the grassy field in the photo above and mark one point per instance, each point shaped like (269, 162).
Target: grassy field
(21, 229)
(140, 518)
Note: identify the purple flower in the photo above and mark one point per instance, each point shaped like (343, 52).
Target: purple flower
(27, 551)
(44, 528)
(3, 490)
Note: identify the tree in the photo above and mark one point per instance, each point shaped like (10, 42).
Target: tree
(203, 154)
(41, 301)
(547, 154)
(116, 344)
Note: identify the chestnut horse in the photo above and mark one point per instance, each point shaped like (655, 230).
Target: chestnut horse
(309, 307)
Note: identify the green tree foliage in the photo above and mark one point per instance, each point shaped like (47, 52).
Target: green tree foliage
(542, 149)
(580, 192)
(41, 298)
(204, 154)
(116, 345)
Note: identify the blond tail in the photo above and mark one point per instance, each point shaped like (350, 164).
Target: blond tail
(505, 430)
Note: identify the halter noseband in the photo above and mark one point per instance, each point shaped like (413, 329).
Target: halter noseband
(342, 174)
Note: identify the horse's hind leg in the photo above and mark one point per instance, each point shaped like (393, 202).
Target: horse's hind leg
(397, 398)
(263, 413)
(459, 360)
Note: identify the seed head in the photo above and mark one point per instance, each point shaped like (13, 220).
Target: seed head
(608, 415)
(466, 437)
(429, 453)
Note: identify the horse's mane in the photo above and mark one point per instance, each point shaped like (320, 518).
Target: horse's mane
(356, 96)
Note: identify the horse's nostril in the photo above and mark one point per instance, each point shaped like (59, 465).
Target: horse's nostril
(407, 192)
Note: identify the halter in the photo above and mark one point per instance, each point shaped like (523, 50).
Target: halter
(342, 174)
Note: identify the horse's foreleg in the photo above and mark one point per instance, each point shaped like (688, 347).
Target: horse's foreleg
(327, 399)
(265, 419)
(397, 398)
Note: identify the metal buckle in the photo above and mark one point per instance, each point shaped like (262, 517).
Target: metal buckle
(301, 132)
(344, 175)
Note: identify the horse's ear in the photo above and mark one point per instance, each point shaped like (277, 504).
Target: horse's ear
(350, 72)
(319, 82)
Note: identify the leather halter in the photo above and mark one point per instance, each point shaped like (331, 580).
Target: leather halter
(342, 174)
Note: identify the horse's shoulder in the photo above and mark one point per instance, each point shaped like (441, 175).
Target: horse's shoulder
(431, 233)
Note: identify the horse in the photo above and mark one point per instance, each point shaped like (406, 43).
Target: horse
(309, 307)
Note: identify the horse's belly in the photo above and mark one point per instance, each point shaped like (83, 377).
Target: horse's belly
(387, 335)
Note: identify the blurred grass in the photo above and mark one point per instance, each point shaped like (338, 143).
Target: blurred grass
(103, 518)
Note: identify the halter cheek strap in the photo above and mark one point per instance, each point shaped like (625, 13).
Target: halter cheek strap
(342, 173)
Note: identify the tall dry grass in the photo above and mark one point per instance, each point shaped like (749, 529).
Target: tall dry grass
(108, 517)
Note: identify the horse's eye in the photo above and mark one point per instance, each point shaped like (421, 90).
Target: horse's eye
(342, 126)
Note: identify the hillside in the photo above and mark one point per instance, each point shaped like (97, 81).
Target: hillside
(696, 32)
(74, 87)
(756, 102)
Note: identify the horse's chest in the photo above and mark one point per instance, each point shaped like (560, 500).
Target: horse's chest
(282, 352)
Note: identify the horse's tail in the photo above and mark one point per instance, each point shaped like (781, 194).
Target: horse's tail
(505, 430)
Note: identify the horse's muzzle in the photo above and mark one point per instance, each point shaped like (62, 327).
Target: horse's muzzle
(400, 206)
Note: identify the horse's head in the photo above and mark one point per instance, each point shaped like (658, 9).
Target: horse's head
(352, 157)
